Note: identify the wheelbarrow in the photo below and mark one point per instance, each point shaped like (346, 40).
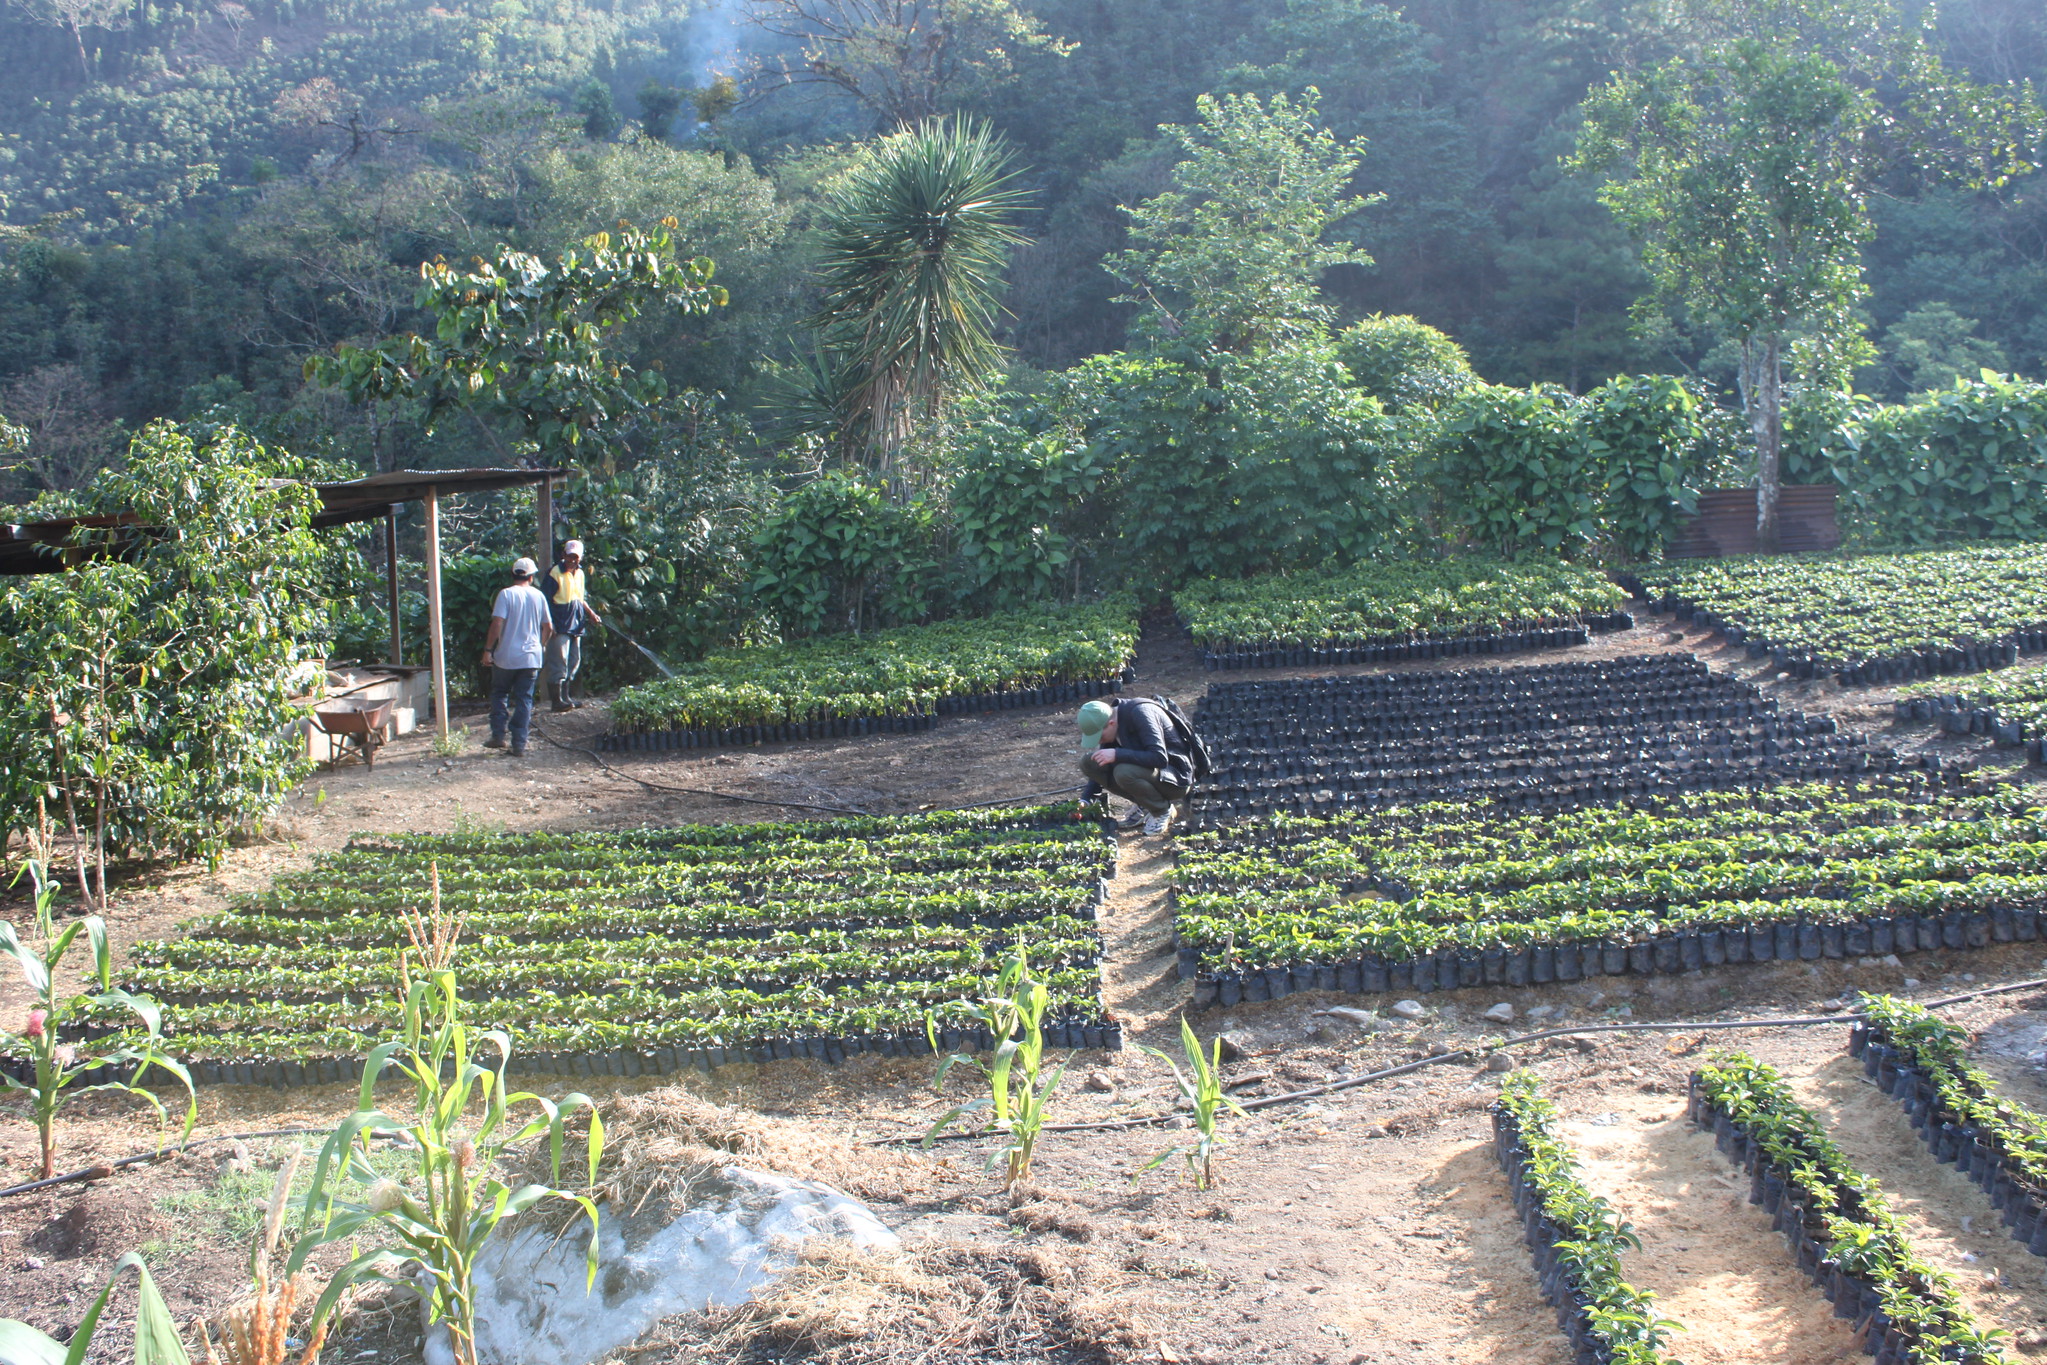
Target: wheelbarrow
(353, 727)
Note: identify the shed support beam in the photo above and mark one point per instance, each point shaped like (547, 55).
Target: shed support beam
(391, 583)
(433, 610)
(543, 507)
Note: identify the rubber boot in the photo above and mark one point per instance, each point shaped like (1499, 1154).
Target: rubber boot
(574, 702)
(555, 697)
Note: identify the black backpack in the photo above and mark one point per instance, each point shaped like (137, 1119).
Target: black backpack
(1197, 748)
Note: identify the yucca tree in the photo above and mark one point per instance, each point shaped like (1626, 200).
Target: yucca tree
(915, 241)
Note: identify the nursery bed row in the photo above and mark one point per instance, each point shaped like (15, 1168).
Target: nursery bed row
(885, 681)
(1840, 1229)
(1866, 618)
(304, 973)
(1403, 649)
(1922, 1062)
(285, 1060)
(1451, 896)
(1397, 609)
(686, 908)
(851, 727)
(1576, 1237)
(1542, 738)
(993, 829)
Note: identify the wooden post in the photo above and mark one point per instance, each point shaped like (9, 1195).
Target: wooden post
(433, 610)
(391, 582)
(543, 505)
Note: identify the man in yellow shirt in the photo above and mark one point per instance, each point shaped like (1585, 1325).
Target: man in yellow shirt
(572, 614)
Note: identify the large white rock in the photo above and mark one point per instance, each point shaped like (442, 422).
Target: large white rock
(742, 1228)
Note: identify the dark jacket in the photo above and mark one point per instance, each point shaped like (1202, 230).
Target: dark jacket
(1145, 736)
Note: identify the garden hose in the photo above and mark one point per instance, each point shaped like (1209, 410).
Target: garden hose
(107, 1168)
(1466, 1054)
(1265, 1102)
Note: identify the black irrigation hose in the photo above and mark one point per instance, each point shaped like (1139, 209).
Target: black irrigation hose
(107, 1168)
(1264, 1102)
(1466, 1054)
(789, 805)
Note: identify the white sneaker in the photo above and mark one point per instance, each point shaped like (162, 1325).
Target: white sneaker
(1132, 818)
(1160, 823)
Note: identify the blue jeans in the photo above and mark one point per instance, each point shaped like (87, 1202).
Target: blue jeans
(512, 689)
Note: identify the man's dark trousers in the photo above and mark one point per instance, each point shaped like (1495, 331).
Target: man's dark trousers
(512, 689)
(1134, 783)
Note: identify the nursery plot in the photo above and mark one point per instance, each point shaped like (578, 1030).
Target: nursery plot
(887, 681)
(1876, 618)
(648, 951)
(1399, 609)
(1922, 1061)
(1839, 1226)
(1539, 738)
(1576, 1238)
(1446, 895)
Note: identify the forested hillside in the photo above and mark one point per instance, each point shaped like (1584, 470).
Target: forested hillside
(201, 193)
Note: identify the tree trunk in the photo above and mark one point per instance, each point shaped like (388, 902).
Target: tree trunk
(1764, 392)
(78, 38)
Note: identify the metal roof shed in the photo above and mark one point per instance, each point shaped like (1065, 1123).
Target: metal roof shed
(45, 546)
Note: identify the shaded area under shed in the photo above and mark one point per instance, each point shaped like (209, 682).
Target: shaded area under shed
(64, 542)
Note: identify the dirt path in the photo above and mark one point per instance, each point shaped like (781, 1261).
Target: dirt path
(1948, 1218)
(1710, 1256)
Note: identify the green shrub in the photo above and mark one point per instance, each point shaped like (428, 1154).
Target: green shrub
(841, 552)
(1539, 469)
(1964, 463)
(1407, 365)
(1224, 465)
(150, 696)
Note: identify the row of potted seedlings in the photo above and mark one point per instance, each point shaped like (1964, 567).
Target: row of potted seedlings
(1454, 898)
(852, 727)
(885, 682)
(1575, 1236)
(1835, 1219)
(286, 1060)
(1392, 610)
(1402, 649)
(831, 941)
(1922, 1062)
(1866, 618)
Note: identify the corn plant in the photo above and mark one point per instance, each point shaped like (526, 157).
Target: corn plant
(156, 1334)
(460, 1130)
(1019, 1098)
(1201, 1086)
(61, 1068)
(258, 1331)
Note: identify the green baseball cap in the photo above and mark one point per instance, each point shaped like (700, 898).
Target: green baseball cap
(1094, 718)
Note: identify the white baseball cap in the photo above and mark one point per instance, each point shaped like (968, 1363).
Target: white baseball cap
(573, 547)
(523, 567)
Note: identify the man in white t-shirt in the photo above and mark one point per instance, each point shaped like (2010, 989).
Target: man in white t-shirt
(514, 649)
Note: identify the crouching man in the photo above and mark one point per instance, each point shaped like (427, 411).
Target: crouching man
(1136, 748)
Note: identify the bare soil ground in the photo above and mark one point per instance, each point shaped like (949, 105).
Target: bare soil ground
(1369, 1225)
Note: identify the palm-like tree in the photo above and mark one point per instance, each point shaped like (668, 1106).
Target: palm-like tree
(915, 241)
